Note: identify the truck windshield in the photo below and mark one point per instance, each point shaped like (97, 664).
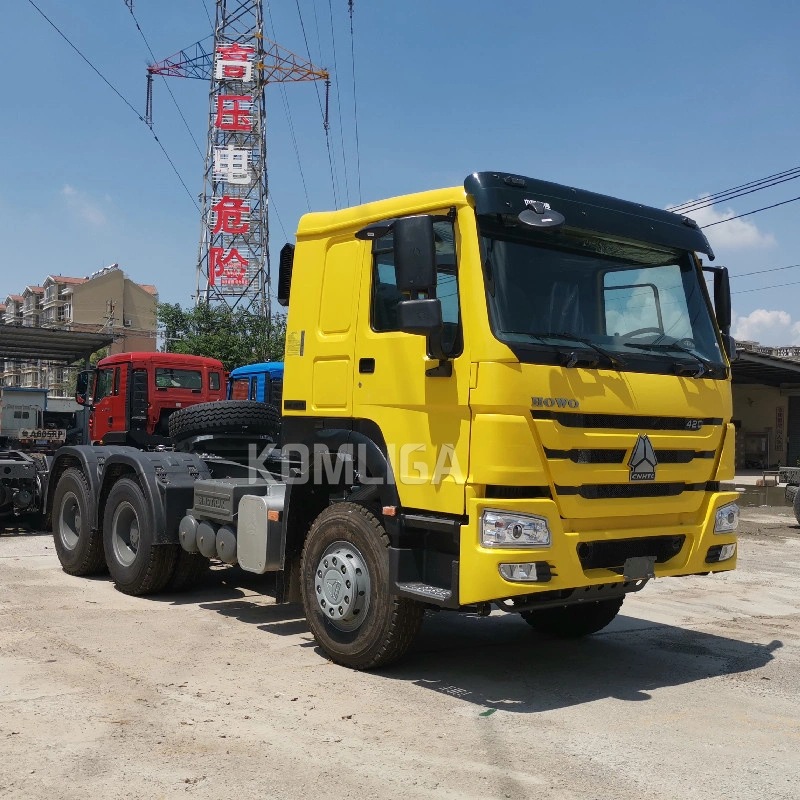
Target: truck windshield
(577, 298)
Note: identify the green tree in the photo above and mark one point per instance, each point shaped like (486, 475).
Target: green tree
(235, 337)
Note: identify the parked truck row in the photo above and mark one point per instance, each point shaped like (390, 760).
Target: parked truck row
(507, 394)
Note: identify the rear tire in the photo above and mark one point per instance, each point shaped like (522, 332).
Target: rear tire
(189, 569)
(78, 546)
(137, 565)
(345, 588)
(572, 622)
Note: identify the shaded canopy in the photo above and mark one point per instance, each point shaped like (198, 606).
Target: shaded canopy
(21, 342)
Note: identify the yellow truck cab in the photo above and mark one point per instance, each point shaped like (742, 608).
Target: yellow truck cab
(507, 394)
(538, 387)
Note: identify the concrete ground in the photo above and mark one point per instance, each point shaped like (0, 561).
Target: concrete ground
(693, 692)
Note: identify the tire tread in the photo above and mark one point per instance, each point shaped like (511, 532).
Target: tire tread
(160, 563)
(226, 416)
(571, 622)
(406, 614)
(93, 561)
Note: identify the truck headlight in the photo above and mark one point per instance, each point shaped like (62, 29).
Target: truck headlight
(504, 529)
(727, 518)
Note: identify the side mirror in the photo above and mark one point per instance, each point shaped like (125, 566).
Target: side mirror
(415, 254)
(722, 297)
(285, 273)
(420, 316)
(83, 387)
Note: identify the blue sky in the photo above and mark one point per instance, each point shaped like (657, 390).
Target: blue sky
(653, 102)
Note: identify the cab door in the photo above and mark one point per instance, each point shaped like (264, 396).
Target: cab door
(110, 402)
(422, 409)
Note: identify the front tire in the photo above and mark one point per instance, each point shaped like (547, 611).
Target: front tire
(137, 565)
(345, 588)
(78, 546)
(572, 622)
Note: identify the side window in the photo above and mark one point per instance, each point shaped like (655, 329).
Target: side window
(116, 381)
(254, 388)
(385, 295)
(105, 378)
(240, 389)
(213, 381)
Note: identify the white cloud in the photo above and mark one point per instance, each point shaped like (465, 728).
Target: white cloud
(770, 328)
(79, 203)
(734, 234)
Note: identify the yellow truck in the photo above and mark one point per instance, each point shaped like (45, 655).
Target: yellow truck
(509, 394)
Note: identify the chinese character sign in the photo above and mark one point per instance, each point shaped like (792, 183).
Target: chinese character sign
(226, 268)
(234, 61)
(230, 254)
(779, 429)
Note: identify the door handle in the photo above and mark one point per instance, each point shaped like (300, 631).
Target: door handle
(366, 366)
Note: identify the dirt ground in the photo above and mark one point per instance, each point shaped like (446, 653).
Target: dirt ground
(693, 692)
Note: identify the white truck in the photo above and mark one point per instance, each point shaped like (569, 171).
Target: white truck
(25, 437)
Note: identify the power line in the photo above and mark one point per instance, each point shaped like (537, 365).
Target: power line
(210, 21)
(748, 213)
(290, 122)
(745, 188)
(761, 288)
(761, 271)
(163, 78)
(118, 94)
(704, 202)
(319, 100)
(339, 104)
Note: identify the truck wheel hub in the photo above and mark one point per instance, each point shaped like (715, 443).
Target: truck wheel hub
(125, 533)
(69, 523)
(341, 586)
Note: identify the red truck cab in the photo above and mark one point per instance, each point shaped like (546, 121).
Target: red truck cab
(131, 395)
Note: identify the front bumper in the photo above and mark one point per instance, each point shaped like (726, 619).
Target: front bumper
(598, 540)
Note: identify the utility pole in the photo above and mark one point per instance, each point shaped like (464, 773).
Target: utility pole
(233, 262)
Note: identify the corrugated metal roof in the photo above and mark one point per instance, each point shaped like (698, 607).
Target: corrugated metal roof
(20, 342)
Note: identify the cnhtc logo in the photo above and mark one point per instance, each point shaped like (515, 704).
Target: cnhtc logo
(334, 587)
(643, 460)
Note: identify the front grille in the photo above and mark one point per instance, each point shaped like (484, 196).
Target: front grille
(617, 456)
(513, 492)
(618, 491)
(588, 456)
(681, 456)
(614, 553)
(626, 421)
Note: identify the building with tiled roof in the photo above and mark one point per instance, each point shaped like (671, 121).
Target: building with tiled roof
(107, 300)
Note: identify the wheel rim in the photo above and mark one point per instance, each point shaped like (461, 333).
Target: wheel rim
(69, 521)
(125, 533)
(341, 586)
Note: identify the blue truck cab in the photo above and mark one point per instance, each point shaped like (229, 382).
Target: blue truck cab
(262, 382)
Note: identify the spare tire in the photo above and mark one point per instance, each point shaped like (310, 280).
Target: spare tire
(242, 418)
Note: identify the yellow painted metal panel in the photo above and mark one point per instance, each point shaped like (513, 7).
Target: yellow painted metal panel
(480, 579)
(332, 384)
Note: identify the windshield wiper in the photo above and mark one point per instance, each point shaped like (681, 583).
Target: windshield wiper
(705, 366)
(618, 363)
